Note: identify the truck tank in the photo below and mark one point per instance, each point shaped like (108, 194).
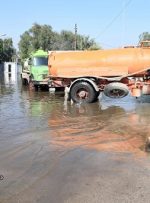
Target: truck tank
(100, 63)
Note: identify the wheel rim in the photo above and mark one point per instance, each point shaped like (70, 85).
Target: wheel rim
(82, 94)
(117, 93)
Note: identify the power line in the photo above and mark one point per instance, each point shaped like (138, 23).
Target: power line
(114, 19)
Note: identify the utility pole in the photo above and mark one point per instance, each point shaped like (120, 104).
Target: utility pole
(75, 37)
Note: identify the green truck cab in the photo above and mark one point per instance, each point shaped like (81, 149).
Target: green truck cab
(35, 70)
(39, 68)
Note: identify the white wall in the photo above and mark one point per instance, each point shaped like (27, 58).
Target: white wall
(10, 71)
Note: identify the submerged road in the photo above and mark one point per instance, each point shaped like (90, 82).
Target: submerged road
(53, 152)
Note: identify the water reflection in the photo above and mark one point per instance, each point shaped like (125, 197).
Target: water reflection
(108, 125)
(88, 126)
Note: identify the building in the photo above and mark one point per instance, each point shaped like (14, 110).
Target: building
(11, 71)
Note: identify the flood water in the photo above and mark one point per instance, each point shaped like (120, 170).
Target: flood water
(54, 151)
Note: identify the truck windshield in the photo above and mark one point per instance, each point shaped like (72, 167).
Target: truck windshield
(40, 61)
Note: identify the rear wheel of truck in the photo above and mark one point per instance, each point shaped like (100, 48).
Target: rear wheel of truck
(24, 82)
(83, 92)
(116, 90)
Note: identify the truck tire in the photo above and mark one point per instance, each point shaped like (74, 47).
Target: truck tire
(116, 90)
(83, 92)
(24, 82)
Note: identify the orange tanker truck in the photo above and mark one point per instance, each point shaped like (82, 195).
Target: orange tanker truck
(116, 72)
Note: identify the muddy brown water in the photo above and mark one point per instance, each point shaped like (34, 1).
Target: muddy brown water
(54, 151)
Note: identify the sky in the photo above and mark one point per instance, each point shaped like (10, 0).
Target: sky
(111, 23)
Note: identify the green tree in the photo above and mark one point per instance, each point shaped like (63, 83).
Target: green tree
(67, 41)
(37, 37)
(25, 45)
(43, 36)
(7, 51)
(144, 39)
(145, 36)
(85, 43)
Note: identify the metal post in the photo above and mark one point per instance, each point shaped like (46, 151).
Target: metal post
(75, 37)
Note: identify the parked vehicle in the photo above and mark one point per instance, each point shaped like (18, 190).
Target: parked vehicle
(114, 72)
(35, 69)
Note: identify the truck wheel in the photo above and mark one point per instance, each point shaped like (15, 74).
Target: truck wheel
(116, 90)
(24, 81)
(36, 88)
(83, 92)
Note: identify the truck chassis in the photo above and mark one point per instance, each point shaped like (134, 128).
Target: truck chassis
(87, 89)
